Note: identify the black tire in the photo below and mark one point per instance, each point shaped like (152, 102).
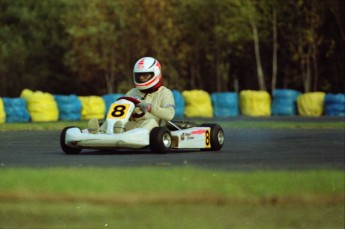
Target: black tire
(217, 137)
(160, 140)
(67, 149)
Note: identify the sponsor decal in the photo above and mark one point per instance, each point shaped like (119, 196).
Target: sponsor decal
(198, 131)
(186, 136)
(189, 136)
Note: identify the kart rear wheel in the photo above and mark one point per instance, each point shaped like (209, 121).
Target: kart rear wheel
(67, 149)
(160, 140)
(217, 137)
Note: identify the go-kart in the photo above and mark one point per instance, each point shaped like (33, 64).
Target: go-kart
(162, 139)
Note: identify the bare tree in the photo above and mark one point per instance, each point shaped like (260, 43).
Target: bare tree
(253, 23)
(274, 49)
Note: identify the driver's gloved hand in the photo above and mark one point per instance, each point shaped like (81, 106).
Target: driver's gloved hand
(144, 106)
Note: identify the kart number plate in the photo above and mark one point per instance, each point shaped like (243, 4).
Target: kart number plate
(207, 139)
(118, 111)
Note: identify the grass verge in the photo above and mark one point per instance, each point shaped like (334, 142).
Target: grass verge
(170, 197)
(40, 125)
(282, 125)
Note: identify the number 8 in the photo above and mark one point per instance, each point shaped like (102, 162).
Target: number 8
(119, 111)
(207, 136)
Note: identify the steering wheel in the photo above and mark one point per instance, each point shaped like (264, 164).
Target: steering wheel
(135, 101)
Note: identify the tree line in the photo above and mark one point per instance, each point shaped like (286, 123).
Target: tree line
(90, 46)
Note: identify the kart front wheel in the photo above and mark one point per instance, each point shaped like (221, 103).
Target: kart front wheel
(217, 137)
(160, 140)
(67, 149)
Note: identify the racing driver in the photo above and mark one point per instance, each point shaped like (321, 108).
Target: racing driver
(156, 101)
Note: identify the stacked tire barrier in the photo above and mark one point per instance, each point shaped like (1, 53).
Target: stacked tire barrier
(284, 102)
(44, 107)
(69, 107)
(2, 112)
(225, 104)
(255, 103)
(311, 104)
(92, 107)
(198, 104)
(41, 106)
(16, 110)
(179, 104)
(109, 99)
(335, 104)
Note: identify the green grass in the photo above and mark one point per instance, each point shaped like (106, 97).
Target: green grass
(85, 215)
(178, 197)
(107, 181)
(40, 125)
(282, 125)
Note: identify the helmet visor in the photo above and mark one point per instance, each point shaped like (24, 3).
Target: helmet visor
(143, 77)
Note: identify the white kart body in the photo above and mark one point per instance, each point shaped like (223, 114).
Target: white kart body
(136, 139)
(194, 137)
(121, 110)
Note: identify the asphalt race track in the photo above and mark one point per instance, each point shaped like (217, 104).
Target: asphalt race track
(243, 150)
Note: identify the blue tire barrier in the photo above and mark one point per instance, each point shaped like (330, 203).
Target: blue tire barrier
(335, 104)
(16, 110)
(179, 104)
(109, 99)
(69, 107)
(225, 104)
(284, 102)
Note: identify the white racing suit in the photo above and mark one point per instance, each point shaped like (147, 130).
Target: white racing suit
(162, 109)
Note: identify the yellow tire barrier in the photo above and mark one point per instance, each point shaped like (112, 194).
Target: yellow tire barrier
(2, 112)
(92, 107)
(255, 103)
(41, 106)
(197, 104)
(311, 104)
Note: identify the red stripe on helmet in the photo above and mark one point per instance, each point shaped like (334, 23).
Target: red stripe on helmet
(141, 63)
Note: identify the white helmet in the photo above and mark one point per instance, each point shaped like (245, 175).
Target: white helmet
(147, 65)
